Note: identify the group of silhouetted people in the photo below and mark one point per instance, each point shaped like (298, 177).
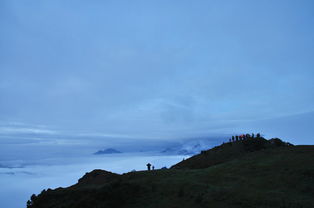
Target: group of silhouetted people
(244, 137)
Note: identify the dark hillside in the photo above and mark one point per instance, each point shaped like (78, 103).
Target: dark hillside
(268, 177)
(229, 151)
(96, 177)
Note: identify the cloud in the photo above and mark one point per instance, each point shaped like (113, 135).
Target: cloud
(25, 130)
(17, 185)
(142, 69)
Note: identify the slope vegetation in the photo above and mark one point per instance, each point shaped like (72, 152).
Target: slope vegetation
(262, 174)
(230, 151)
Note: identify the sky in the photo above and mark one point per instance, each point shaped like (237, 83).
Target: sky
(156, 69)
(78, 76)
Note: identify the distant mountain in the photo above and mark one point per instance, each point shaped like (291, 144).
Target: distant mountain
(107, 151)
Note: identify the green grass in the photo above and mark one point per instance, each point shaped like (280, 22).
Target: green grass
(273, 177)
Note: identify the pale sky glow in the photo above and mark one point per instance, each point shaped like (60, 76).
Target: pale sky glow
(155, 69)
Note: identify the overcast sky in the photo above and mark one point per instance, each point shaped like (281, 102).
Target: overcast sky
(155, 68)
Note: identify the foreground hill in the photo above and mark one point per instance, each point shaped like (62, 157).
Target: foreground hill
(267, 176)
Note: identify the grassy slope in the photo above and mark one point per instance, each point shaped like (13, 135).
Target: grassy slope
(276, 177)
(228, 151)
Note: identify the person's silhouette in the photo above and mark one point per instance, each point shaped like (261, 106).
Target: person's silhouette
(148, 166)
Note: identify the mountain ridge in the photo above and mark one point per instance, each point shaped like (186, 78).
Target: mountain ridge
(266, 173)
(107, 151)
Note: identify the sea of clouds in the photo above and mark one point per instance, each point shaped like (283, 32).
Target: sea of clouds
(19, 179)
(33, 159)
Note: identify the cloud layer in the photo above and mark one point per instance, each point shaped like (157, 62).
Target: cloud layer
(154, 69)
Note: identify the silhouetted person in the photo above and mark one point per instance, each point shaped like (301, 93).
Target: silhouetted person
(148, 166)
(153, 167)
(247, 136)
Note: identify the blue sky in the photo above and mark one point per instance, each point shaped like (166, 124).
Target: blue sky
(157, 69)
(77, 76)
